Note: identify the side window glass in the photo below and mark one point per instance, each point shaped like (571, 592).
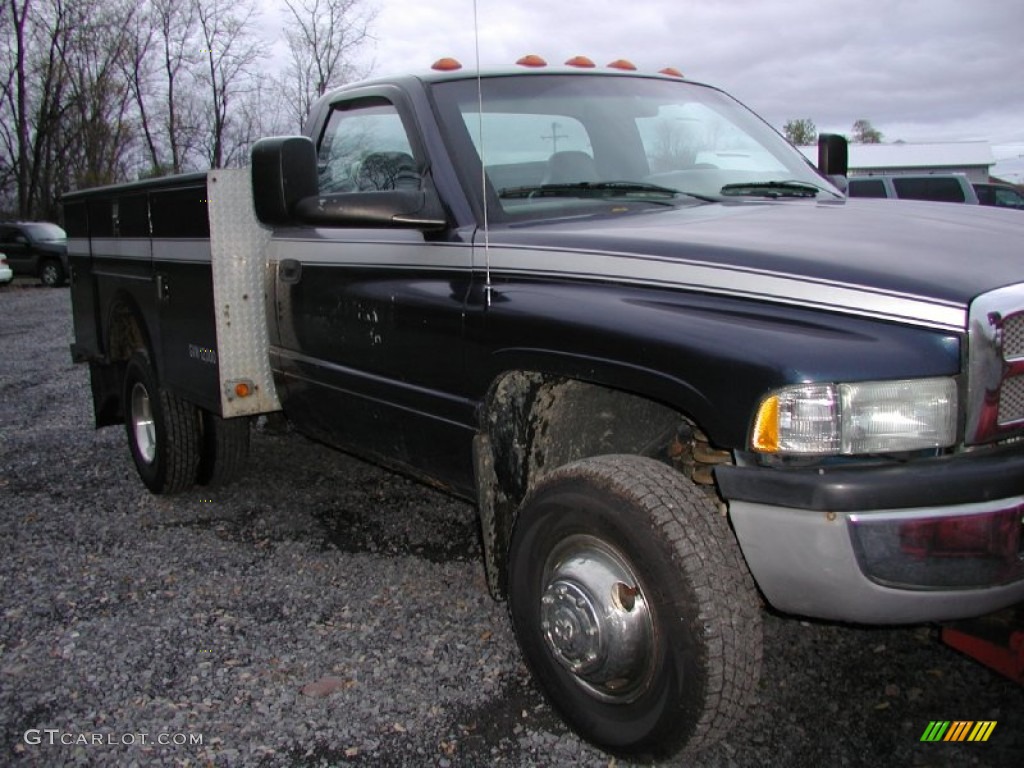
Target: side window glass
(365, 148)
(866, 188)
(940, 189)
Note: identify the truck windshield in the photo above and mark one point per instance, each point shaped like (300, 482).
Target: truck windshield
(556, 145)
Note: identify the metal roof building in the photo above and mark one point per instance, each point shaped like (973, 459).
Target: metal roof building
(971, 158)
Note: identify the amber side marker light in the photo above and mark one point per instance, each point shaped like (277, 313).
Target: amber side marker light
(532, 60)
(447, 64)
(629, 66)
(581, 61)
(671, 72)
(242, 389)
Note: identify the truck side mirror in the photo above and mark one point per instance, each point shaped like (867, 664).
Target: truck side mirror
(418, 209)
(285, 187)
(833, 154)
(283, 172)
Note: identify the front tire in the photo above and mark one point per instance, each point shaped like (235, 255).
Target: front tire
(163, 430)
(633, 606)
(51, 273)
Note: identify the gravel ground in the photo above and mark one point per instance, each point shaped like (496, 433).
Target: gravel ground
(323, 611)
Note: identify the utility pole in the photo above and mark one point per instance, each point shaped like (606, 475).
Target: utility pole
(554, 137)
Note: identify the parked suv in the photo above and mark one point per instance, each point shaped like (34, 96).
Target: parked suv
(1000, 195)
(36, 248)
(940, 187)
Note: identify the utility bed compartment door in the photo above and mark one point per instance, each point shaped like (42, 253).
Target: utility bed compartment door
(83, 283)
(183, 287)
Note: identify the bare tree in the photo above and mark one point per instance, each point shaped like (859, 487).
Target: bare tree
(801, 132)
(32, 104)
(16, 98)
(323, 37)
(164, 55)
(230, 50)
(257, 115)
(98, 129)
(102, 91)
(675, 146)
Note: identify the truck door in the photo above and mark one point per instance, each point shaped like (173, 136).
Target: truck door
(369, 353)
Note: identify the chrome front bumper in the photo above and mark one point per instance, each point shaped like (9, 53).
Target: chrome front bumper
(877, 567)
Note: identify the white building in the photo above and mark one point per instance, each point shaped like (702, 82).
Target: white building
(974, 159)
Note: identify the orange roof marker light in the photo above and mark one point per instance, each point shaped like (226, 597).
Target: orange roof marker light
(622, 64)
(532, 60)
(671, 72)
(580, 61)
(447, 64)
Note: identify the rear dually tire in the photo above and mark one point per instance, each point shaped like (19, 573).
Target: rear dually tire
(163, 430)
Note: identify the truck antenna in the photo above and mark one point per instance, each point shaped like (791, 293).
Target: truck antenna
(483, 165)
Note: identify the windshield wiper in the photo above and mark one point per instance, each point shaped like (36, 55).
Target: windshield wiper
(774, 189)
(596, 189)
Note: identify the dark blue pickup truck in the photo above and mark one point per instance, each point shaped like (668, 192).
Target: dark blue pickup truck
(677, 371)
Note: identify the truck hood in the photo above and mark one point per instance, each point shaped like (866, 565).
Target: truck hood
(909, 261)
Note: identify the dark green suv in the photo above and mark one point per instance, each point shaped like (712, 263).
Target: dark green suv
(36, 248)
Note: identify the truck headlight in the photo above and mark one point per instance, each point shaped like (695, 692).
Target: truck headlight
(863, 417)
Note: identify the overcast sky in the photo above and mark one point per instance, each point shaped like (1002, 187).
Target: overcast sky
(919, 70)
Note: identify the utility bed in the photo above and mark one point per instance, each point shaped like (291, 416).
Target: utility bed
(186, 255)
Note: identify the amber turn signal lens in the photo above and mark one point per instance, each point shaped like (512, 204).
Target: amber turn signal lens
(622, 64)
(580, 61)
(242, 389)
(766, 426)
(532, 60)
(446, 64)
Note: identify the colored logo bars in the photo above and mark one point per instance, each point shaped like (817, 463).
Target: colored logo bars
(958, 730)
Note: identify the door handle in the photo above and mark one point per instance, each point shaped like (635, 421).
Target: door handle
(289, 270)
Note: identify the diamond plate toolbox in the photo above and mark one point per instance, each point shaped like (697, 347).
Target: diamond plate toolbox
(238, 244)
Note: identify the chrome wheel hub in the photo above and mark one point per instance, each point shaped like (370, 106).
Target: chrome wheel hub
(142, 423)
(596, 620)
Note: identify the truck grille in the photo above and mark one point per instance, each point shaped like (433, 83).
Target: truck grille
(1013, 336)
(1011, 390)
(995, 398)
(1011, 400)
